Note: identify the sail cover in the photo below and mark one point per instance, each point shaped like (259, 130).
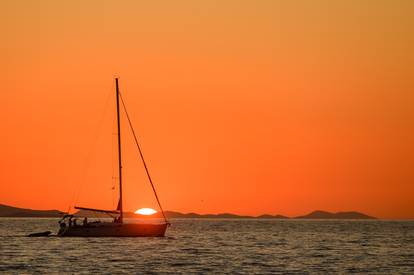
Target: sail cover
(98, 210)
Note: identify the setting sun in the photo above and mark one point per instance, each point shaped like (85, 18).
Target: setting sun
(146, 211)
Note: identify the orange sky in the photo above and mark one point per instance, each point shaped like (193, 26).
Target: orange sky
(247, 107)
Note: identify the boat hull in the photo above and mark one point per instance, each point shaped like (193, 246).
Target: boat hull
(115, 230)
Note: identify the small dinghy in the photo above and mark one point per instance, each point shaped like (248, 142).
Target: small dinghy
(40, 234)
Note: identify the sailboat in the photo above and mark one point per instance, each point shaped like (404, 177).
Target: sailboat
(117, 227)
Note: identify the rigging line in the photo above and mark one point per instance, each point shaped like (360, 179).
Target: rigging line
(90, 152)
(142, 158)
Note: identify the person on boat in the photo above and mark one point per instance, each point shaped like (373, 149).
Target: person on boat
(85, 221)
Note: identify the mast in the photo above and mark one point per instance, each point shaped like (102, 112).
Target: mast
(119, 153)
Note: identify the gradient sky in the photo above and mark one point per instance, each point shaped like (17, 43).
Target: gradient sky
(247, 107)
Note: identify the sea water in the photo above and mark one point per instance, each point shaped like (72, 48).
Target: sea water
(216, 246)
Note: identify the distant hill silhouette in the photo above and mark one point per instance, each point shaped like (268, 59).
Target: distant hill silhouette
(171, 214)
(339, 215)
(10, 211)
(267, 216)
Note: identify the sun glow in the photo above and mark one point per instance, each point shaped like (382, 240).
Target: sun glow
(146, 211)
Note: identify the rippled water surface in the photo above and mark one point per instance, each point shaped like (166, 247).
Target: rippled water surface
(216, 246)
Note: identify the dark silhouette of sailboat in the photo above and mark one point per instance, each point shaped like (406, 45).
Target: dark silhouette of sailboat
(116, 228)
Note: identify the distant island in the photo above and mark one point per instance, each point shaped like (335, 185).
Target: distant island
(10, 211)
(338, 215)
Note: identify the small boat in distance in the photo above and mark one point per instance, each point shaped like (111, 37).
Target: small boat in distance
(116, 228)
